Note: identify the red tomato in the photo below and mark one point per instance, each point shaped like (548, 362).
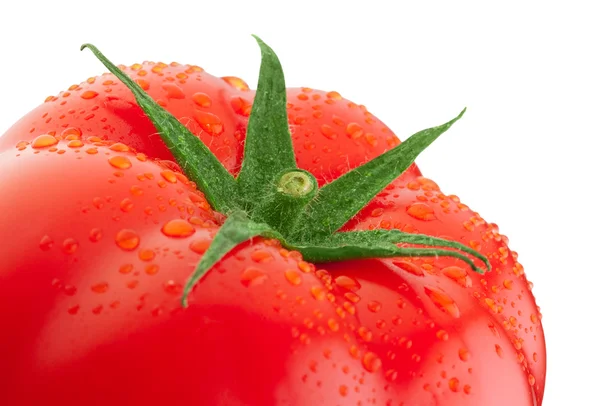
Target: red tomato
(99, 234)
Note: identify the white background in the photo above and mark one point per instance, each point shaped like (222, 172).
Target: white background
(524, 155)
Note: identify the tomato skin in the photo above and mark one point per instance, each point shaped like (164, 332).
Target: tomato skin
(330, 134)
(263, 327)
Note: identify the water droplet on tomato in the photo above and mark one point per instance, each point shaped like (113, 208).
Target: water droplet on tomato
(409, 267)
(46, 243)
(253, 277)
(43, 141)
(453, 384)
(169, 176)
(200, 246)
(70, 245)
(347, 283)
(371, 362)
(202, 99)
(173, 91)
(293, 277)
(333, 325)
(499, 351)
(70, 290)
(374, 306)
(421, 211)
(209, 122)
(178, 228)
(95, 235)
(146, 255)
(119, 162)
(73, 310)
(151, 269)
(173, 287)
(89, 94)
(241, 106)
(458, 275)
(354, 131)
(463, 354)
(236, 82)
(127, 239)
(343, 390)
(442, 301)
(442, 335)
(119, 147)
(75, 144)
(125, 269)
(101, 287)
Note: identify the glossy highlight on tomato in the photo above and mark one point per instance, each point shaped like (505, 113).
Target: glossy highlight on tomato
(101, 228)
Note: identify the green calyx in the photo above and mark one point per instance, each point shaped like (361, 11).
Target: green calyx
(272, 198)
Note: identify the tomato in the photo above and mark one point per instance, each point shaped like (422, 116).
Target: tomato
(101, 231)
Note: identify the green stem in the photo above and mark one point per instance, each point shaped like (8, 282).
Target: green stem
(282, 207)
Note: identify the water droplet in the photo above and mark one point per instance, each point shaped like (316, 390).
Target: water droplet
(46, 243)
(125, 269)
(333, 325)
(100, 287)
(409, 267)
(173, 91)
(202, 99)
(343, 390)
(126, 205)
(253, 277)
(371, 362)
(421, 211)
(334, 95)
(531, 379)
(318, 292)
(43, 141)
(127, 239)
(354, 131)
(119, 147)
(70, 290)
(352, 297)
(209, 122)
(328, 132)
(75, 144)
(365, 333)
(391, 375)
(73, 310)
(97, 310)
(374, 306)
(463, 354)
(89, 94)
(453, 384)
(200, 246)
(293, 277)
(172, 287)
(169, 176)
(119, 162)
(458, 275)
(442, 335)
(178, 228)
(146, 255)
(151, 269)
(507, 284)
(347, 283)
(442, 301)
(236, 82)
(499, 351)
(70, 245)
(241, 106)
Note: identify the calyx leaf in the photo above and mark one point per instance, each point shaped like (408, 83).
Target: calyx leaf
(262, 202)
